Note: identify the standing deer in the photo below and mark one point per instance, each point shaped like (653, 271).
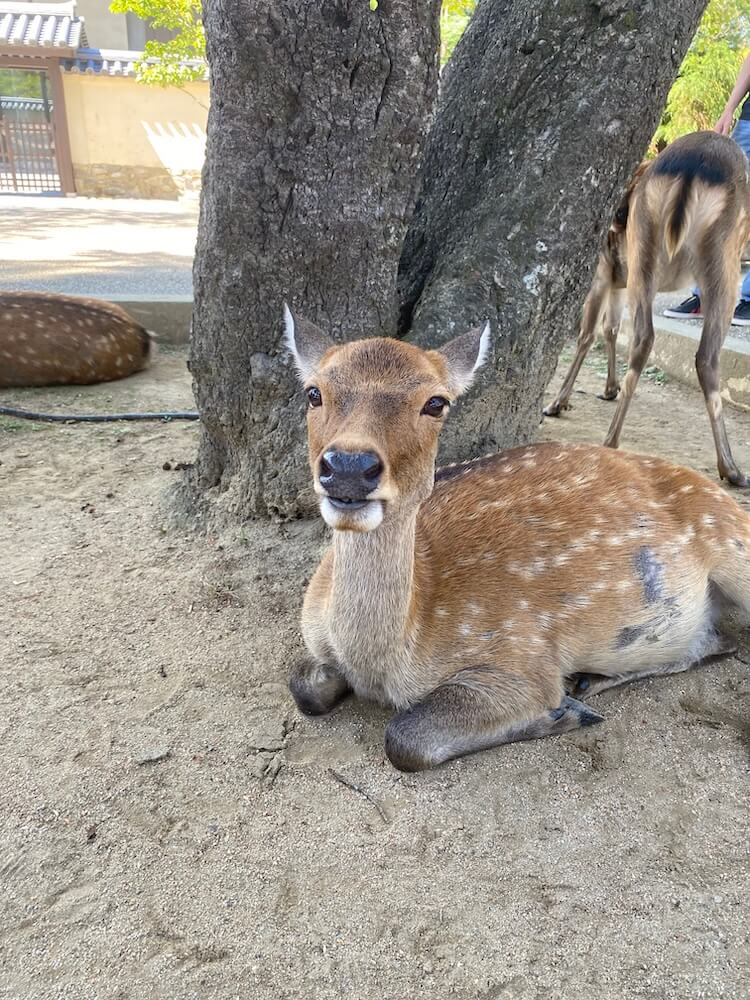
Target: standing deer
(687, 216)
(605, 300)
(48, 339)
(470, 599)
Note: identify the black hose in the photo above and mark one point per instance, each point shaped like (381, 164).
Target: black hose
(96, 418)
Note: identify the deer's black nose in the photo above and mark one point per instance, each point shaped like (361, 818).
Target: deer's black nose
(349, 475)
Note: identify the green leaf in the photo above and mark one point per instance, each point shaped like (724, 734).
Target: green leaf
(709, 70)
(164, 62)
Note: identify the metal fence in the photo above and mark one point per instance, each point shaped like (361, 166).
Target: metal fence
(28, 160)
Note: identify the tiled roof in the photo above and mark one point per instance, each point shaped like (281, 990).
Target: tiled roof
(35, 25)
(113, 62)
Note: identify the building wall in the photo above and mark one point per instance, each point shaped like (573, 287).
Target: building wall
(104, 29)
(131, 140)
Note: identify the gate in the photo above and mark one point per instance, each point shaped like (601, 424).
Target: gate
(28, 157)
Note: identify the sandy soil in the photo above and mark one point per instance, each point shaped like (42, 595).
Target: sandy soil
(170, 827)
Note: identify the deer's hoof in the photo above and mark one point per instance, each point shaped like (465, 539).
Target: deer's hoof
(736, 478)
(554, 409)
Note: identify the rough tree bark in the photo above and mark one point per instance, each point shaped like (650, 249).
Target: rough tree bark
(545, 110)
(318, 119)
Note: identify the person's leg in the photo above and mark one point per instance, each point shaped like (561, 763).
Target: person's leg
(741, 317)
(741, 135)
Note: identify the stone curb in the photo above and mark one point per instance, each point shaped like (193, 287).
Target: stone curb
(675, 345)
(168, 316)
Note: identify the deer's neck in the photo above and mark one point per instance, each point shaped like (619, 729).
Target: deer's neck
(372, 593)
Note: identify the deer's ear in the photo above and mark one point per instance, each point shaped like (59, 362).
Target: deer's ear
(306, 342)
(464, 355)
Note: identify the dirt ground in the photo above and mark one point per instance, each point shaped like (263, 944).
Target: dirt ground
(172, 828)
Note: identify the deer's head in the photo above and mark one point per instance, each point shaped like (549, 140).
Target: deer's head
(375, 410)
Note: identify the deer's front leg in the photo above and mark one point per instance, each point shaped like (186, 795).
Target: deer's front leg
(454, 720)
(317, 688)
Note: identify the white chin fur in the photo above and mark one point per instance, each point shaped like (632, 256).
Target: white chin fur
(365, 519)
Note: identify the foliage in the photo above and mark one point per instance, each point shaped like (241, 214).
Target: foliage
(454, 17)
(20, 83)
(708, 72)
(163, 63)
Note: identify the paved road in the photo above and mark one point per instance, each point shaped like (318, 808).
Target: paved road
(115, 246)
(97, 246)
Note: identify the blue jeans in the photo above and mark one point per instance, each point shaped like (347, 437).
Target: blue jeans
(741, 135)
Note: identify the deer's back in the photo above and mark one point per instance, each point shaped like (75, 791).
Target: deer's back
(48, 339)
(580, 553)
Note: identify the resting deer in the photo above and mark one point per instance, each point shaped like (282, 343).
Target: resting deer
(48, 339)
(688, 218)
(481, 601)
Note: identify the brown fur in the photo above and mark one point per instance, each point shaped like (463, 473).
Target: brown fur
(486, 591)
(48, 339)
(687, 217)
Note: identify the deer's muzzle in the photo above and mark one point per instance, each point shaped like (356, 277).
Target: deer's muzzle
(348, 477)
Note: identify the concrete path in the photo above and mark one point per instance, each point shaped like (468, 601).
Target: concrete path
(96, 246)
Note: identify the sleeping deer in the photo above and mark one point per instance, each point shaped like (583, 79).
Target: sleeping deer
(48, 339)
(687, 216)
(481, 602)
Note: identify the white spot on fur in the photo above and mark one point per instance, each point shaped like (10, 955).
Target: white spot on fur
(465, 629)
(708, 520)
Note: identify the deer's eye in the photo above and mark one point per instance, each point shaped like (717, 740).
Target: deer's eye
(314, 397)
(434, 406)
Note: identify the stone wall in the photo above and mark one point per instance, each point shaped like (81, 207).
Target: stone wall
(112, 180)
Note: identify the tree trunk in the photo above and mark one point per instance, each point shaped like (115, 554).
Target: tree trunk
(545, 111)
(318, 117)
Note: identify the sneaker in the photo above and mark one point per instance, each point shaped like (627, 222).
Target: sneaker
(689, 309)
(742, 313)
